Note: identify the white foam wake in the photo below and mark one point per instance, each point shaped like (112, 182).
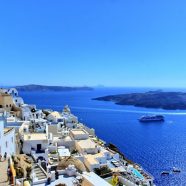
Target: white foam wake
(164, 112)
(131, 111)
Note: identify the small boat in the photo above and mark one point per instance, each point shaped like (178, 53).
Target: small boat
(165, 173)
(151, 118)
(174, 169)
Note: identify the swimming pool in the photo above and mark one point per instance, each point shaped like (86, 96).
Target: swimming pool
(137, 173)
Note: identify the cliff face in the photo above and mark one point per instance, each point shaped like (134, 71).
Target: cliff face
(50, 88)
(152, 99)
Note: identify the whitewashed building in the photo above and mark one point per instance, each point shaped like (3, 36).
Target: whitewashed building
(18, 101)
(70, 120)
(34, 136)
(55, 117)
(7, 138)
(79, 134)
(29, 112)
(13, 92)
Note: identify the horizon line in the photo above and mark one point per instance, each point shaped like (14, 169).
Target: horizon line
(99, 86)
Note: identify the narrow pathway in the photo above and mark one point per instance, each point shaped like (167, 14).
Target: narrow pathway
(3, 173)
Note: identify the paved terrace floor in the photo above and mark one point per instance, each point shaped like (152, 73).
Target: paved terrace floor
(3, 173)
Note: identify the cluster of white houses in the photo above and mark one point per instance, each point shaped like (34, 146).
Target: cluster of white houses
(58, 149)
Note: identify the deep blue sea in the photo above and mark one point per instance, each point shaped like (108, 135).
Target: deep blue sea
(155, 146)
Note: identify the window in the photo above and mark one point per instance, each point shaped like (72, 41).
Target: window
(6, 143)
(60, 120)
(6, 105)
(10, 105)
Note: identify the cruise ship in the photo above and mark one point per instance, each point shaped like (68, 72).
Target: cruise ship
(151, 118)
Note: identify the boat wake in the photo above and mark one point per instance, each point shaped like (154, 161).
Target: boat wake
(164, 112)
(131, 111)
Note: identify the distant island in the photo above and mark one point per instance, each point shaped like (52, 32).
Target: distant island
(151, 99)
(50, 88)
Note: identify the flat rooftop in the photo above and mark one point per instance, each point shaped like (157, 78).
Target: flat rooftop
(78, 132)
(94, 179)
(91, 159)
(86, 144)
(35, 136)
(63, 152)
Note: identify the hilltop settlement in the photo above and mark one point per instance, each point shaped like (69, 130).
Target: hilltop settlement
(46, 147)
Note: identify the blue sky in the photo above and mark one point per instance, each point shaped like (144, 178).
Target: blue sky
(93, 42)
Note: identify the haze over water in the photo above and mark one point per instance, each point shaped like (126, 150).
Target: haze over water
(155, 146)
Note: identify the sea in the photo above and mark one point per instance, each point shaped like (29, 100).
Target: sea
(155, 146)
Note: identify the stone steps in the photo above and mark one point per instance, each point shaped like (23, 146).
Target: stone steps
(39, 173)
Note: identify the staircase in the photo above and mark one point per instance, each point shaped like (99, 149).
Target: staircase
(39, 174)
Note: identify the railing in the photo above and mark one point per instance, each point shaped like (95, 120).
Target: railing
(9, 130)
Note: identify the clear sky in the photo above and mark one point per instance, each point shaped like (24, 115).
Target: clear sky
(93, 42)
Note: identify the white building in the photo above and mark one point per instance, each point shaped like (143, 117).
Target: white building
(13, 92)
(34, 136)
(55, 117)
(69, 119)
(86, 146)
(63, 152)
(92, 179)
(97, 160)
(30, 112)
(79, 134)
(7, 139)
(26, 113)
(18, 101)
(68, 142)
(35, 142)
